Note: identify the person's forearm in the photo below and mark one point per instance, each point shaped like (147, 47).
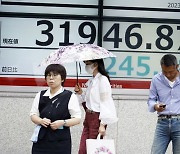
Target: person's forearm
(36, 119)
(72, 122)
(151, 103)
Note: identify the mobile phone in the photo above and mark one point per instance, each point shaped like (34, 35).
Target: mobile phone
(163, 105)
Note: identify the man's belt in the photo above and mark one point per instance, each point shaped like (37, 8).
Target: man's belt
(162, 116)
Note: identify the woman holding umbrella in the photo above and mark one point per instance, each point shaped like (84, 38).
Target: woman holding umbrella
(99, 106)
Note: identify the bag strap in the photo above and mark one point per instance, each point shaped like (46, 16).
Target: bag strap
(99, 137)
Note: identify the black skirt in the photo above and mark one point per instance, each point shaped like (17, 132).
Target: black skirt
(52, 147)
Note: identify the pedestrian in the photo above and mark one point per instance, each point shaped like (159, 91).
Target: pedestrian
(164, 98)
(99, 106)
(55, 110)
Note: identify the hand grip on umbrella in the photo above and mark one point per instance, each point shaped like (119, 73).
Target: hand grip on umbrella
(78, 89)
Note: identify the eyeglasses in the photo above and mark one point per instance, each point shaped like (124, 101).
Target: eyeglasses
(52, 75)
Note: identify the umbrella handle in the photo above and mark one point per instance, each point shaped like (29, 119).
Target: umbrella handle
(77, 73)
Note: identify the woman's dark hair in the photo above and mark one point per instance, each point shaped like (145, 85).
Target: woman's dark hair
(56, 69)
(101, 67)
(168, 60)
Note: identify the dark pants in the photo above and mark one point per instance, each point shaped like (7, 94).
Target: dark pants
(90, 130)
(56, 147)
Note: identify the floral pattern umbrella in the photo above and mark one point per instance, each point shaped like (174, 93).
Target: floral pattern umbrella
(75, 53)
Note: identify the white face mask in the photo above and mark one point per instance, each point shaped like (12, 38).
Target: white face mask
(89, 68)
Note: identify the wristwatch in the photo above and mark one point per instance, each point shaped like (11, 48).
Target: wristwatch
(64, 123)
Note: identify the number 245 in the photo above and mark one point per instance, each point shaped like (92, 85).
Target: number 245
(126, 65)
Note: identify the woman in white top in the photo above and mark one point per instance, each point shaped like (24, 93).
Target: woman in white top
(99, 105)
(54, 110)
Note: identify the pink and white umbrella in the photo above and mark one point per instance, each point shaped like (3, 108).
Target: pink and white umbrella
(76, 53)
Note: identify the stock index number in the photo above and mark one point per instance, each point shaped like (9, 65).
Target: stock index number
(163, 34)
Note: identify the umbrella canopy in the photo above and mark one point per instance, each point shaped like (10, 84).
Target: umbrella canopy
(78, 52)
